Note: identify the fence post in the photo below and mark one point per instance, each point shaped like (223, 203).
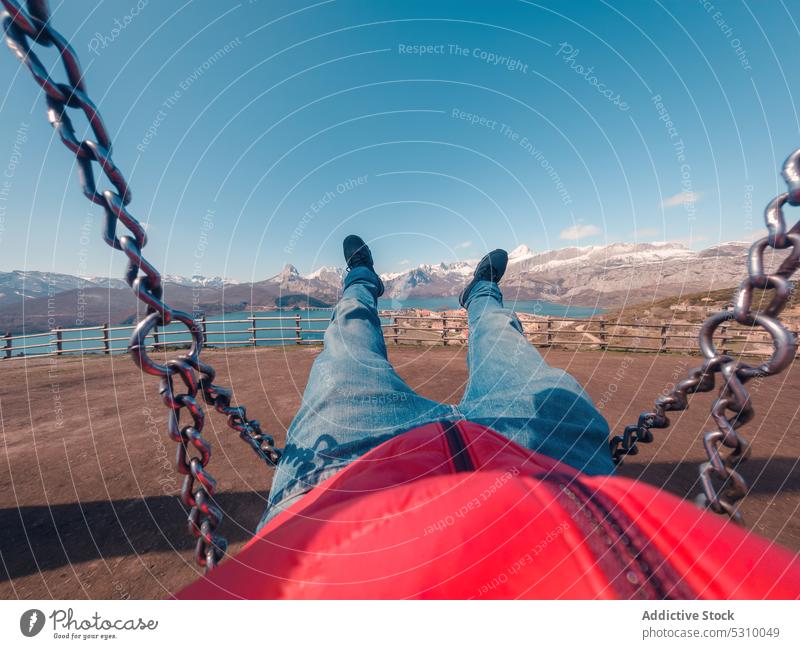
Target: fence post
(396, 330)
(59, 341)
(298, 332)
(155, 335)
(8, 344)
(603, 339)
(106, 341)
(663, 347)
(204, 328)
(722, 345)
(549, 330)
(253, 328)
(444, 330)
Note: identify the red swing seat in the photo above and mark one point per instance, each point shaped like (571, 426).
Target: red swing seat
(456, 511)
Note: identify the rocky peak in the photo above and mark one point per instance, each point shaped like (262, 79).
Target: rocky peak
(520, 252)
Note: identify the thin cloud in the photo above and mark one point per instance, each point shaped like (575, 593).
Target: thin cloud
(580, 231)
(647, 233)
(686, 241)
(403, 262)
(754, 235)
(682, 198)
(462, 245)
(657, 235)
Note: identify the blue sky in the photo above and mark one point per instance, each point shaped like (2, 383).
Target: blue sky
(259, 133)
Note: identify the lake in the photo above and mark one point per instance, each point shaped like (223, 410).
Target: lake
(536, 307)
(229, 330)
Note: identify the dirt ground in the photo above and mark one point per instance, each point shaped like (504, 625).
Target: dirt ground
(88, 496)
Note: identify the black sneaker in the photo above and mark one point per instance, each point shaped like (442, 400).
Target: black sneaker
(489, 269)
(356, 254)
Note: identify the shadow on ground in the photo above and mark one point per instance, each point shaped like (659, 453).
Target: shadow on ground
(42, 538)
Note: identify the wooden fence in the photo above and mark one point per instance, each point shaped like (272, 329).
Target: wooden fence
(399, 328)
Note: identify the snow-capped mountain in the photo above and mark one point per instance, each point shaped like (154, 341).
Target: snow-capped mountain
(330, 274)
(21, 285)
(29, 284)
(519, 254)
(199, 280)
(604, 275)
(322, 286)
(622, 272)
(106, 282)
(592, 275)
(429, 280)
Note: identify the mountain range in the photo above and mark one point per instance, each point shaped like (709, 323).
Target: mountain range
(604, 276)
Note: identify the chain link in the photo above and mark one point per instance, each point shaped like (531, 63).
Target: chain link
(21, 28)
(733, 398)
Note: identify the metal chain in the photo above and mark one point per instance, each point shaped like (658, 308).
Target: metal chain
(21, 28)
(735, 373)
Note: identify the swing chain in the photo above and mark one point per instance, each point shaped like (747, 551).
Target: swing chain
(199, 486)
(735, 373)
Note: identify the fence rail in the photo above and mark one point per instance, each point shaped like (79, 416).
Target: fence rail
(398, 328)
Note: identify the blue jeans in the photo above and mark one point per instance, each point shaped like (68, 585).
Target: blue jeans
(354, 399)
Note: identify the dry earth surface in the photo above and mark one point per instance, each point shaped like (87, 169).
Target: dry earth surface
(88, 500)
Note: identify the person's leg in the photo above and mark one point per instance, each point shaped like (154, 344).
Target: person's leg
(354, 399)
(513, 391)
